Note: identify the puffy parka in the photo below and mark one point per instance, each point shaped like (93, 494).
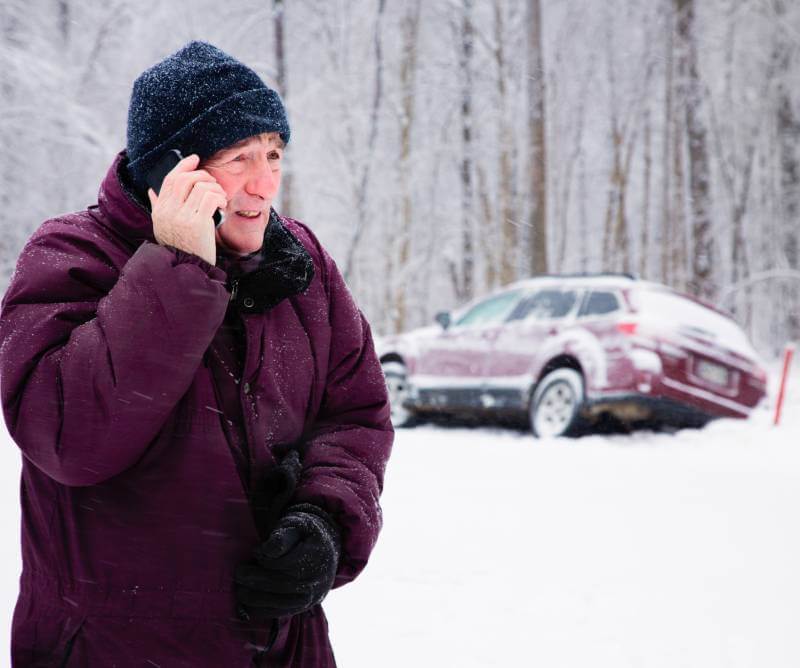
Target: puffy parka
(142, 447)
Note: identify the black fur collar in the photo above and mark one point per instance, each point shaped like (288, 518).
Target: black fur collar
(284, 269)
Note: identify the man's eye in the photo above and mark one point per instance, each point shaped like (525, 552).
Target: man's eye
(238, 158)
(273, 155)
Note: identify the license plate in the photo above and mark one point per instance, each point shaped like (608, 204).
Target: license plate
(713, 373)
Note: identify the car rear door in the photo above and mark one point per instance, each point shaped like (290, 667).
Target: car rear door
(518, 342)
(599, 317)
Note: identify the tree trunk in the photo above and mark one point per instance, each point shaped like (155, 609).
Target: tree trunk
(788, 133)
(615, 216)
(583, 195)
(9, 25)
(665, 236)
(701, 281)
(678, 229)
(464, 279)
(678, 226)
(644, 241)
(508, 245)
(64, 20)
(408, 69)
(279, 9)
(490, 248)
(362, 187)
(538, 147)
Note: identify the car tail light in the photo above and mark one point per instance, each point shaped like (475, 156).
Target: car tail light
(627, 327)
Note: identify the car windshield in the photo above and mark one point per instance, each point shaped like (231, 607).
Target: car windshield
(494, 309)
(690, 318)
(545, 305)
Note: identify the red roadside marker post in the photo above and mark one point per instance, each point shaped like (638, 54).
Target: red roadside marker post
(788, 353)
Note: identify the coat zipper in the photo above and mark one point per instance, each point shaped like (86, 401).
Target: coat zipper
(275, 626)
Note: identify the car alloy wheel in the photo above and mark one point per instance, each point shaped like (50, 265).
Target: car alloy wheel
(556, 404)
(398, 389)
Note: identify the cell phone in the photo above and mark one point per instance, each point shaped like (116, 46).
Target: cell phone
(155, 177)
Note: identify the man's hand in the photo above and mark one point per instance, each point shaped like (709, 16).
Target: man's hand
(294, 568)
(183, 211)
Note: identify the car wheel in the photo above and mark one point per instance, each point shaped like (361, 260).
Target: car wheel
(397, 386)
(555, 407)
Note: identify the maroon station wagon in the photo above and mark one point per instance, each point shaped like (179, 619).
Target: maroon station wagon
(563, 351)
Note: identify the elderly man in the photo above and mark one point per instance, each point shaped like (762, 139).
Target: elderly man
(202, 417)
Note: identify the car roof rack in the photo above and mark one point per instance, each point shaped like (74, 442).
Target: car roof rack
(598, 274)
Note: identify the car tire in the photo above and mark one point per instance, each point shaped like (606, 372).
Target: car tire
(398, 389)
(555, 408)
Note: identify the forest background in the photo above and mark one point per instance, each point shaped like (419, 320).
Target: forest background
(442, 149)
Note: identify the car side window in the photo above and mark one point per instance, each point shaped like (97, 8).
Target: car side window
(494, 309)
(545, 305)
(599, 303)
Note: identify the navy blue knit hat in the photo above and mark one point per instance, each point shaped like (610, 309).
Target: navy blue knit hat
(198, 100)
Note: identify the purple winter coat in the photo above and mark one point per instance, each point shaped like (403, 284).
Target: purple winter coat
(135, 509)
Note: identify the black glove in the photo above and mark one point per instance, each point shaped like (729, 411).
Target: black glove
(294, 568)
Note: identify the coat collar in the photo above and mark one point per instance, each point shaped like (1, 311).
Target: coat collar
(122, 209)
(281, 269)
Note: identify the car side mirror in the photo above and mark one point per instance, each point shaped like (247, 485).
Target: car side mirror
(443, 318)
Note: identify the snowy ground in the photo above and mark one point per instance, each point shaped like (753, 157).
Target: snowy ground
(647, 550)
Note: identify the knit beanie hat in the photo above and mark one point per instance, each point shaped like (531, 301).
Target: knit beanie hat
(198, 100)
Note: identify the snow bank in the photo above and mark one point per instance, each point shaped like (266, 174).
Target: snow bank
(646, 550)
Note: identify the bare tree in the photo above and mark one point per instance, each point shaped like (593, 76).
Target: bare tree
(278, 14)
(363, 183)
(788, 131)
(462, 270)
(736, 162)
(701, 281)
(666, 235)
(647, 179)
(538, 148)
(507, 214)
(63, 12)
(565, 193)
(408, 69)
(625, 119)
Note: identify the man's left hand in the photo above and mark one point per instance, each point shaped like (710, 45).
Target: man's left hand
(294, 568)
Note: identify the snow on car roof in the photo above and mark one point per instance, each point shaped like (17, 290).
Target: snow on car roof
(607, 280)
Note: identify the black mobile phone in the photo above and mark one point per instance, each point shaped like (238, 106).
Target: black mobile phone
(155, 177)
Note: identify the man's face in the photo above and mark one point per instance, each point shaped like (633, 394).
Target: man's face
(250, 174)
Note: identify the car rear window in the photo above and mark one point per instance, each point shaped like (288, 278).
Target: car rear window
(690, 318)
(599, 303)
(545, 305)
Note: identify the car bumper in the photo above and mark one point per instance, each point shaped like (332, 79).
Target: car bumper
(635, 408)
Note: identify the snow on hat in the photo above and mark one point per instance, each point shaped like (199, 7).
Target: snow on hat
(198, 100)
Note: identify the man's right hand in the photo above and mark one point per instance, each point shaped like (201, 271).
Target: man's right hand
(183, 211)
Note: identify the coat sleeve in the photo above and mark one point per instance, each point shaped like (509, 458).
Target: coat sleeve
(93, 358)
(351, 438)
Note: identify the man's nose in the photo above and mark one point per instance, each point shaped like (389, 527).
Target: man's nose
(263, 182)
